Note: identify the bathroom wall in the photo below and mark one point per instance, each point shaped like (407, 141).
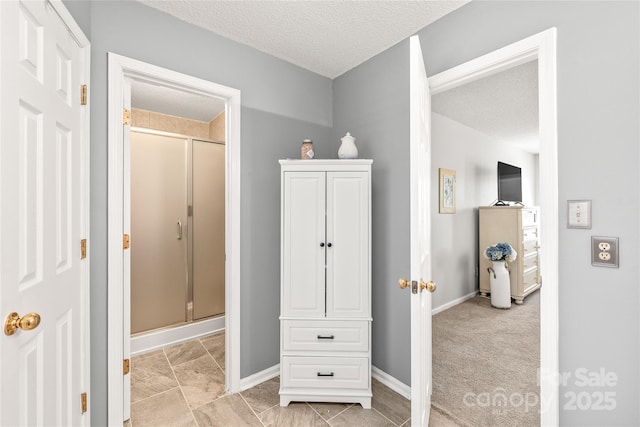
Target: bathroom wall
(167, 123)
(217, 128)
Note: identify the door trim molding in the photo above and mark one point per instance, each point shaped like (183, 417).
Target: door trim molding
(119, 69)
(541, 46)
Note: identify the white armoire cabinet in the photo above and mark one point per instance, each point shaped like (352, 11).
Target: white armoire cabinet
(325, 302)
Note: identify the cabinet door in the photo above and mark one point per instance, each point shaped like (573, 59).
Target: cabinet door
(348, 235)
(303, 262)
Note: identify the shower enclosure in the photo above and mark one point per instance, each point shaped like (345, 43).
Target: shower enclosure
(177, 230)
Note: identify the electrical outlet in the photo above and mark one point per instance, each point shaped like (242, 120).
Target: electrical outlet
(604, 251)
(604, 246)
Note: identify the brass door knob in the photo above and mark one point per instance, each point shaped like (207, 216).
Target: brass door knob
(430, 286)
(404, 283)
(27, 322)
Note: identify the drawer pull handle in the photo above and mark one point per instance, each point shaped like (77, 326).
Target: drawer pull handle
(320, 374)
(325, 337)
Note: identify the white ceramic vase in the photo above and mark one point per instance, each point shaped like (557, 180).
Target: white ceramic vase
(348, 149)
(500, 285)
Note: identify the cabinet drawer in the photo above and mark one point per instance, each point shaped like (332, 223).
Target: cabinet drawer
(325, 372)
(530, 279)
(325, 335)
(530, 233)
(529, 262)
(530, 247)
(529, 216)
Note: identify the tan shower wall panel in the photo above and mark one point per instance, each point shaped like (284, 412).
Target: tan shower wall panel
(208, 229)
(217, 128)
(166, 123)
(140, 118)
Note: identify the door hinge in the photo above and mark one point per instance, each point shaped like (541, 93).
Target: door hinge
(125, 241)
(125, 366)
(83, 399)
(83, 95)
(83, 248)
(126, 117)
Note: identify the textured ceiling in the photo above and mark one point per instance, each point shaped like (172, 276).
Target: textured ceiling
(330, 38)
(173, 102)
(503, 106)
(326, 37)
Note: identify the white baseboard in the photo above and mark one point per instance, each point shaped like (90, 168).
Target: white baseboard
(259, 377)
(391, 382)
(170, 336)
(450, 304)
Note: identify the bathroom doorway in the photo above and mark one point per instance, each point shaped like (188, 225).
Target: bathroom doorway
(177, 210)
(124, 76)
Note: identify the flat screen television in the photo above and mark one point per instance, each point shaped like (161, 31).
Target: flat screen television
(509, 183)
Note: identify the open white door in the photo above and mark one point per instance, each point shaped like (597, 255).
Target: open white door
(420, 284)
(44, 216)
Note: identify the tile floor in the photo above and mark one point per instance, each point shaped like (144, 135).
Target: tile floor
(183, 385)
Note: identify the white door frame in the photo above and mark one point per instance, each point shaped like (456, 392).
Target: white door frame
(541, 46)
(121, 68)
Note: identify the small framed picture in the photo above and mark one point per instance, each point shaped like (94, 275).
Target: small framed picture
(447, 191)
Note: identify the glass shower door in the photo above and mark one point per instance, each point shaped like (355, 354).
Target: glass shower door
(208, 175)
(158, 231)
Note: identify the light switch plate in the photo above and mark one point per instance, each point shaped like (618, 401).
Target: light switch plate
(579, 214)
(604, 251)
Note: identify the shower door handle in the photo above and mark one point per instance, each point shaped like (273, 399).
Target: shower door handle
(179, 230)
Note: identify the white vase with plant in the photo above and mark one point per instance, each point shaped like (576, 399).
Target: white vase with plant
(499, 255)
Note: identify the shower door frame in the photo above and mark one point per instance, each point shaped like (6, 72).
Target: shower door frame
(122, 69)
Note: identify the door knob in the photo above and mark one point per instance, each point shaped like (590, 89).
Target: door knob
(430, 286)
(28, 322)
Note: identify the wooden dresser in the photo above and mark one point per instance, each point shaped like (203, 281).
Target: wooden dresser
(520, 227)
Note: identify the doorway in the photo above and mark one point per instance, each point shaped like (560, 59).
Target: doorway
(540, 48)
(122, 72)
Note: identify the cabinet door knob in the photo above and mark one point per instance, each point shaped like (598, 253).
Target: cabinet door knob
(322, 245)
(328, 245)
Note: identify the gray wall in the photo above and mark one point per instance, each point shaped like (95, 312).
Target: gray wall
(372, 102)
(281, 105)
(598, 111)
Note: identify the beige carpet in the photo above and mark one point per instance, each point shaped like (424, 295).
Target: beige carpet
(485, 363)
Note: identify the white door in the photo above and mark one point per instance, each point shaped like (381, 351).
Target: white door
(347, 249)
(304, 237)
(421, 286)
(43, 215)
